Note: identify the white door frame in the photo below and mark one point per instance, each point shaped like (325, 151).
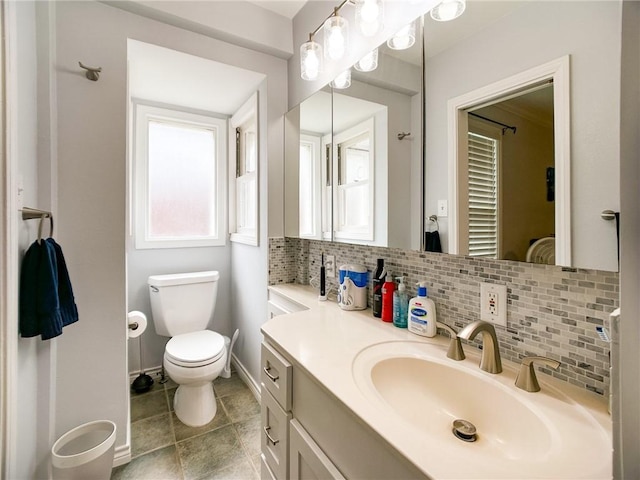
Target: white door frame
(9, 277)
(558, 71)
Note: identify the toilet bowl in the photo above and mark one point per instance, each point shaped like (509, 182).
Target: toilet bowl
(193, 360)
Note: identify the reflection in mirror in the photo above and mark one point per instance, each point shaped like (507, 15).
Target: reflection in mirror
(495, 41)
(365, 184)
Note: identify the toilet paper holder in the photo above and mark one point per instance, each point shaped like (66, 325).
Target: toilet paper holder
(133, 326)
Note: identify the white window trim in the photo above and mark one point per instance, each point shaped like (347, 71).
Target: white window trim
(144, 113)
(316, 184)
(365, 127)
(248, 112)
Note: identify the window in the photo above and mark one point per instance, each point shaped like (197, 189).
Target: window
(243, 184)
(178, 178)
(483, 195)
(354, 195)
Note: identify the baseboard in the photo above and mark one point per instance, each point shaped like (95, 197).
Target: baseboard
(121, 455)
(243, 373)
(153, 372)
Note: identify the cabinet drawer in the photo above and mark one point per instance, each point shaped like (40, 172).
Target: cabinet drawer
(275, 436)
(285, 303)
(276, 376)
(307, 460)
(265, 471)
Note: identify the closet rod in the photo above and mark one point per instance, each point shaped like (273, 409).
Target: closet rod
(504, 126)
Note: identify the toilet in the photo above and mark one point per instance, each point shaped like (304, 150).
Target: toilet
(182, 306)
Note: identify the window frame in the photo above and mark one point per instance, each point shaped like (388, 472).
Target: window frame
(247, 114)
(314, 142)
(144, 113)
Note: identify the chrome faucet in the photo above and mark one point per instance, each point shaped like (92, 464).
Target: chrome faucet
(490, 361)
(455, 351)
(526, 379)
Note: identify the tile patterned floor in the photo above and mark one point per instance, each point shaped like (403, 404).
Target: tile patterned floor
(163, 448)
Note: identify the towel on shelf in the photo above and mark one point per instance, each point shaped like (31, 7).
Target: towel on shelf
(432, 242)
(46, 297)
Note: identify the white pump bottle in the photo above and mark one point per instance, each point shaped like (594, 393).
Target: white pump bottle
(422, 313)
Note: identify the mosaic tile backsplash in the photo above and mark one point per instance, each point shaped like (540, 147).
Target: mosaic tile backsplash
(552, 311)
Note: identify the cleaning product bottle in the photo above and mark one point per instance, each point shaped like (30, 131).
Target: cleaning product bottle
(422, 313)
(400, 304)
(378, 280)
(388, 289)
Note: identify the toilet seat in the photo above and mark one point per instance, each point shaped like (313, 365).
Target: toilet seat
(195, 349)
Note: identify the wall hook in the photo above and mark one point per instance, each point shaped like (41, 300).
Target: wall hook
(401, 135)
(93, 73)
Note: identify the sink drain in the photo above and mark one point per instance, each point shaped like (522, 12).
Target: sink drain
(464, 430)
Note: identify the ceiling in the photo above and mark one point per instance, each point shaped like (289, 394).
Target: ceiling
(286, 8)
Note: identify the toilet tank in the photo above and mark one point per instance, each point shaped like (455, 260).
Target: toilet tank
(182, 302)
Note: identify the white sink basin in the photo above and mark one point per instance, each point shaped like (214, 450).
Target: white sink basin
(547, 434)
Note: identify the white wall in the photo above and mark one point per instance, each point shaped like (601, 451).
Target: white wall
(590, 33)
(92, 189)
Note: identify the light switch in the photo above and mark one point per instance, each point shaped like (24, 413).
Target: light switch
(443, 210)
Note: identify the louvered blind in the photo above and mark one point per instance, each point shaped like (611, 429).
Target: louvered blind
(483, 196)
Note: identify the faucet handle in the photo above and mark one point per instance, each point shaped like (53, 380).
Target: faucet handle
(526, 379)
(455, 351)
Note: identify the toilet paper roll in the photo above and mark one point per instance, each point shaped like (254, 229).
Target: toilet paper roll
(137, 323)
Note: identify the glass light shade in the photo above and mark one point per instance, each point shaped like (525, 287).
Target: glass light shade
(310, 60)
(336, 33)
(404, 39)
(369, 16)
(342, 81)
(448, 10)
(368, 63)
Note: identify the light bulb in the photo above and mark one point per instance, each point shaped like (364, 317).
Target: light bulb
(335, 37)
(448, 10)
(368, 63)
(404, 39)
(342, 81)
(369, 16)
(310, 60)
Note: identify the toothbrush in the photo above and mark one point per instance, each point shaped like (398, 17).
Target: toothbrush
(322, 279)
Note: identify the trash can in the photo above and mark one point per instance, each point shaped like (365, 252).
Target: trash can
(84, 453)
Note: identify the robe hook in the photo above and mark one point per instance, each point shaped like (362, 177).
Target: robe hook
(93, 73)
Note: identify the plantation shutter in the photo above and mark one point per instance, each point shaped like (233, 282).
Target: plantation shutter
(483, 196)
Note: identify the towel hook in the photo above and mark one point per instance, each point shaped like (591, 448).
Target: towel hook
(434, 218)
(93, 73)
(42, 219)
(401, 135)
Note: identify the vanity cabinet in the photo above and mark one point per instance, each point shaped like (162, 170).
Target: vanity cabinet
(308, 433)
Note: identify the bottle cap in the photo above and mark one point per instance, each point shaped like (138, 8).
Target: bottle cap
(422, 289)
(388, 278)
(401, 286)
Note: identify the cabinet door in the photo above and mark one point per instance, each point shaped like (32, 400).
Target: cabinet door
(306, 460)
(275, 436)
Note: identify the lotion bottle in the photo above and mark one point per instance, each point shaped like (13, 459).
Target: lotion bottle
(422, 313)
(388, 289)
(400, 304)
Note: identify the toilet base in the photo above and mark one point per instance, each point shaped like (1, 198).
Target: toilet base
(195, 405)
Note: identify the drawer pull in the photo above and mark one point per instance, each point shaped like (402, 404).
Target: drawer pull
(273, 378)
(269, 437)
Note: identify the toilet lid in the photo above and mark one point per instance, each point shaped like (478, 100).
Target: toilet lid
(195, 349)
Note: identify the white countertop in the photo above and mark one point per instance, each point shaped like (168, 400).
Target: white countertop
(324, 340)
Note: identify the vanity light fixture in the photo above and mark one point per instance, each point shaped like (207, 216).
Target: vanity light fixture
(310, 59)
(336, 36)
(342, 81)
(448, 10)
(368, 63)
(404, 38)
(369, 15)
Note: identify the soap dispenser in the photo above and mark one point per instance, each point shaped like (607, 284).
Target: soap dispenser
(422, 313)
(400, 304)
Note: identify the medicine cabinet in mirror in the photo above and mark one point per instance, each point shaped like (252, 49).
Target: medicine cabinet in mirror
(490, 43)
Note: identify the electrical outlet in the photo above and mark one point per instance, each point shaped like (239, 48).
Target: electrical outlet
(330, 266)
(493, 303)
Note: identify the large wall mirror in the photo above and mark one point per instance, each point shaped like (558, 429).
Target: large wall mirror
(552, 139)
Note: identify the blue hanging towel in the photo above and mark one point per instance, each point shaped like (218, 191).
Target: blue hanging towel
(68, 308)
(39, 302)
